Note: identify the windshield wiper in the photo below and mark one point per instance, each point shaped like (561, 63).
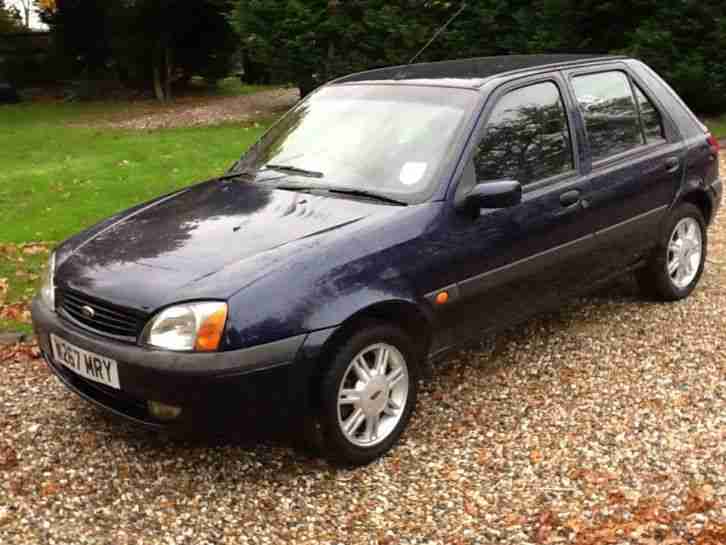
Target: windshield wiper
(236, 174)
(344, 191)
(369, 194)
(296, 170)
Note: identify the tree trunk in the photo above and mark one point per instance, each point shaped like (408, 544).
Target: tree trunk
(167, 72)
(158, 87)
(329, 62)
(306, 85)
(159, 70)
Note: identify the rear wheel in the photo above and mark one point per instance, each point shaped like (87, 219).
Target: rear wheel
(675, 268)
(368, 394)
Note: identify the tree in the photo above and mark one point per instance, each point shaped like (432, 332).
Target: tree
(27, 7)
(152, 44)
(184, 39)
(9, 18)
(314, 41)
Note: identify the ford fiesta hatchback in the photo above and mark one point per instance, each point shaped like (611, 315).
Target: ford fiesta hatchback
(391, 216)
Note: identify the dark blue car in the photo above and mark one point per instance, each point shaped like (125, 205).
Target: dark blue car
(390, 217)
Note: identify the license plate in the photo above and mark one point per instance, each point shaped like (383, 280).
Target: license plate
(87, 364)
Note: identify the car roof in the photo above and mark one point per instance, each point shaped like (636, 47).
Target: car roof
(471, 73)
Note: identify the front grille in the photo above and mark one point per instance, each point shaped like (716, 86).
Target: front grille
(108, 319)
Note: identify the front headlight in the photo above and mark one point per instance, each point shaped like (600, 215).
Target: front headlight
(47, 288)
(190, 327)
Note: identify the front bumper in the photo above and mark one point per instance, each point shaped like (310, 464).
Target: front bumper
(204, 385)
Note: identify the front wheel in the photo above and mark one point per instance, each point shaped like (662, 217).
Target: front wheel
(368, 394)
(675, 268)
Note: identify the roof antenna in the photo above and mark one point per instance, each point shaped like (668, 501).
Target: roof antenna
(439, 31)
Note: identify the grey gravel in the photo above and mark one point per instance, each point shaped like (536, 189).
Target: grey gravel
(602, 423)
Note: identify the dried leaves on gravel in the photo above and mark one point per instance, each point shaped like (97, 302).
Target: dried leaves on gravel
(192, 112)
(602, 423)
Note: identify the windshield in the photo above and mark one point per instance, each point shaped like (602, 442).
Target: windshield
(381, 139)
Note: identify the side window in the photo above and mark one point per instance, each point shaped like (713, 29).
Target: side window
(652, 123)
(607, 105)
(526, 138)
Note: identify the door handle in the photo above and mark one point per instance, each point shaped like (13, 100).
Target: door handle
(672, 164)
(571, 202)
(570, 198)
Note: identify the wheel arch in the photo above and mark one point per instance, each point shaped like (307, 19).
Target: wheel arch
(696, 194)
(415, 321)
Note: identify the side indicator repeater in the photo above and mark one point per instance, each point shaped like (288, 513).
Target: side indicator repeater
(442, 297)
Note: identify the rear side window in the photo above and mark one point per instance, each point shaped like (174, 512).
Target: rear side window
(607, 106)
(527, 137)
(652, 122)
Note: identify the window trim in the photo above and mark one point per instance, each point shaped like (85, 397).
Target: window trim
(636, 88)
(637, 111)
(610, 160)
(672, 134)
(509, 86)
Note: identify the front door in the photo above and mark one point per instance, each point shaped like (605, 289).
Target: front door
(508, 263)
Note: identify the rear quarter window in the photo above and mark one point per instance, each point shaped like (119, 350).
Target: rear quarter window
(687, 124)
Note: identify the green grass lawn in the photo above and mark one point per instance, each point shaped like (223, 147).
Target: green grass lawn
(234, 87)
(57, 177)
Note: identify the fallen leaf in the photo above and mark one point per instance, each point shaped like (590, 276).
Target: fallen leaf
(673, 540)
(594, 477)
(535, 456)
(49, 489)
(166, 504)
(513, 519)
(470, 508)
(19, 312)
(34, 249)
(8, 458)
(546, 524)
(699, 500)
(19, 352)
(88, 440)
(573, 524)
(8, 249)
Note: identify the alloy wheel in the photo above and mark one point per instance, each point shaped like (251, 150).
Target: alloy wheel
(373, 394)
(685, 248)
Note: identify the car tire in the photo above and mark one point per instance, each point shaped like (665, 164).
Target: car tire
(364, 410)
(676, 265)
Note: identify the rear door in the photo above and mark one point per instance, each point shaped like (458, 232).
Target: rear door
(633, 159)
(509, 263)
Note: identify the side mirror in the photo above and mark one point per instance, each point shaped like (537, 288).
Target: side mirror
(495, 194)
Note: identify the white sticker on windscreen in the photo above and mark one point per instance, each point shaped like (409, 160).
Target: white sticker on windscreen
(412, 173)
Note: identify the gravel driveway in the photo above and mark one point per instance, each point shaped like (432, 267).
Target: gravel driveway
(603, 423)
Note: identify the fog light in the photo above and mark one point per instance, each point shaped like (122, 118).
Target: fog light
(162, 411)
